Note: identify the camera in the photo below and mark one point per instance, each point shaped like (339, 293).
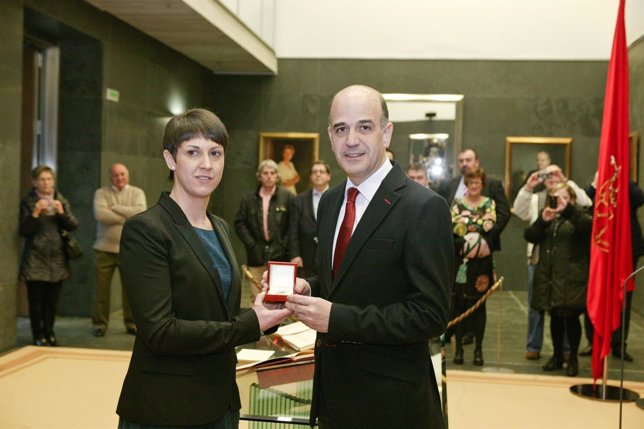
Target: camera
(543, 175)
(552, 201)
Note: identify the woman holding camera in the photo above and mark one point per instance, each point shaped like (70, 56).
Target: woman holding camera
(44, 214)
(562, 231)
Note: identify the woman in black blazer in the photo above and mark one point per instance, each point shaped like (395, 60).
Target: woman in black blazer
(182, 280)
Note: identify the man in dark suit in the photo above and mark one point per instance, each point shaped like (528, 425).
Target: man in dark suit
(302, 228)
(450, 189)
(382, 292)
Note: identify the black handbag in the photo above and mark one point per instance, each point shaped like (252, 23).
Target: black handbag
(73, 248)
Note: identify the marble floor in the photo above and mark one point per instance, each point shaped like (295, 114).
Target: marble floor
(504, 344)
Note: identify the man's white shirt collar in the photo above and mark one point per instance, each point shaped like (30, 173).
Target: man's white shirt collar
(369, 187)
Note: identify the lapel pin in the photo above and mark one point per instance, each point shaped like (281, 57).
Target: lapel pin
(388, 202)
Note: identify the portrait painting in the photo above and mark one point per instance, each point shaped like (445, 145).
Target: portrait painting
(304, 145)
(525, 155)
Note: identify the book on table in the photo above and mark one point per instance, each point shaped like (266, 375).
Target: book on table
(297, 336)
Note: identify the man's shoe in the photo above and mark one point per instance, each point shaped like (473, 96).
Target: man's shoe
(468, 338)
(532, 355)
(53, 341)
(41, 342)
(131, 330)
(572, 369)
(478, 358)
(458, 357)
(553, 364)
(98, 332)
(627, 357)
(586, 351)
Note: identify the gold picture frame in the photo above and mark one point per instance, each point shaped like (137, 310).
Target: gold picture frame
(307, 150)
(520, 155)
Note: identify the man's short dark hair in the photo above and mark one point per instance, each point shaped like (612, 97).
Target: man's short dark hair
(476, 155)
(325, 164)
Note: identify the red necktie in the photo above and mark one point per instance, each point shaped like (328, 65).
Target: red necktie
(344, 236)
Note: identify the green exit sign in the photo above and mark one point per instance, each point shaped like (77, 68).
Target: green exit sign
(112, 95)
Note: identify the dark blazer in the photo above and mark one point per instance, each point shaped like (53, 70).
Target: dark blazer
(182, 370)
(494, 189)
(302, 233)
(390, 296)
(249, 225)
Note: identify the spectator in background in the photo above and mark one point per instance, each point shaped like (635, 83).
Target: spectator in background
(455, 188)
(44, 214)
(262, 223)
(391, 156)
(637, 243)
(542, 161)
(527, 206)
(562, 232)
(473, 218)
(113, 205)
(418, 174)
(302, 233)
(289, 176)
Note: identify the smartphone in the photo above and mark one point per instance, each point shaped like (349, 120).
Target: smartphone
(552, 201)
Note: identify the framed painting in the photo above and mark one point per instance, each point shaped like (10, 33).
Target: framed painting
(525, 155)
(305, 145)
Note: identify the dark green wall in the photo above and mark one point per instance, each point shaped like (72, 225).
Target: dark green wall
(636, 98)
(97, 51)
(502, 98)
(10, 104)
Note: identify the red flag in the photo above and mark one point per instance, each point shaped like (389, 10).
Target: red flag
(610, 250)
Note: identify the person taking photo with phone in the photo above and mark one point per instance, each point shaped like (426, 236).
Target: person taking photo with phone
(527, 205)
(562, 232)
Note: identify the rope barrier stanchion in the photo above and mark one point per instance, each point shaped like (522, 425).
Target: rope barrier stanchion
(250, 276)
(476, 305)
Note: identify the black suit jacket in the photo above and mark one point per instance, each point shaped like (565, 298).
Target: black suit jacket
(493, 189)
(182, 370)
(302, 232)
(390, 296)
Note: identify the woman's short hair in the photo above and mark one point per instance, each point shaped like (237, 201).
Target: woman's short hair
(476, 173)
(36, 172)
(194, 123)
(270, 164)
(567, 187)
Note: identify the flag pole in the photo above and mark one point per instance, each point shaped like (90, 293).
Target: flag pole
(612, 393)
(605, 379)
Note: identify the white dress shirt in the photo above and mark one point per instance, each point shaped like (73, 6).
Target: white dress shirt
(367, 190)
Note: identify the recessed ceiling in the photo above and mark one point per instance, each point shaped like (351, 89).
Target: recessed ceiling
(203, 30)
